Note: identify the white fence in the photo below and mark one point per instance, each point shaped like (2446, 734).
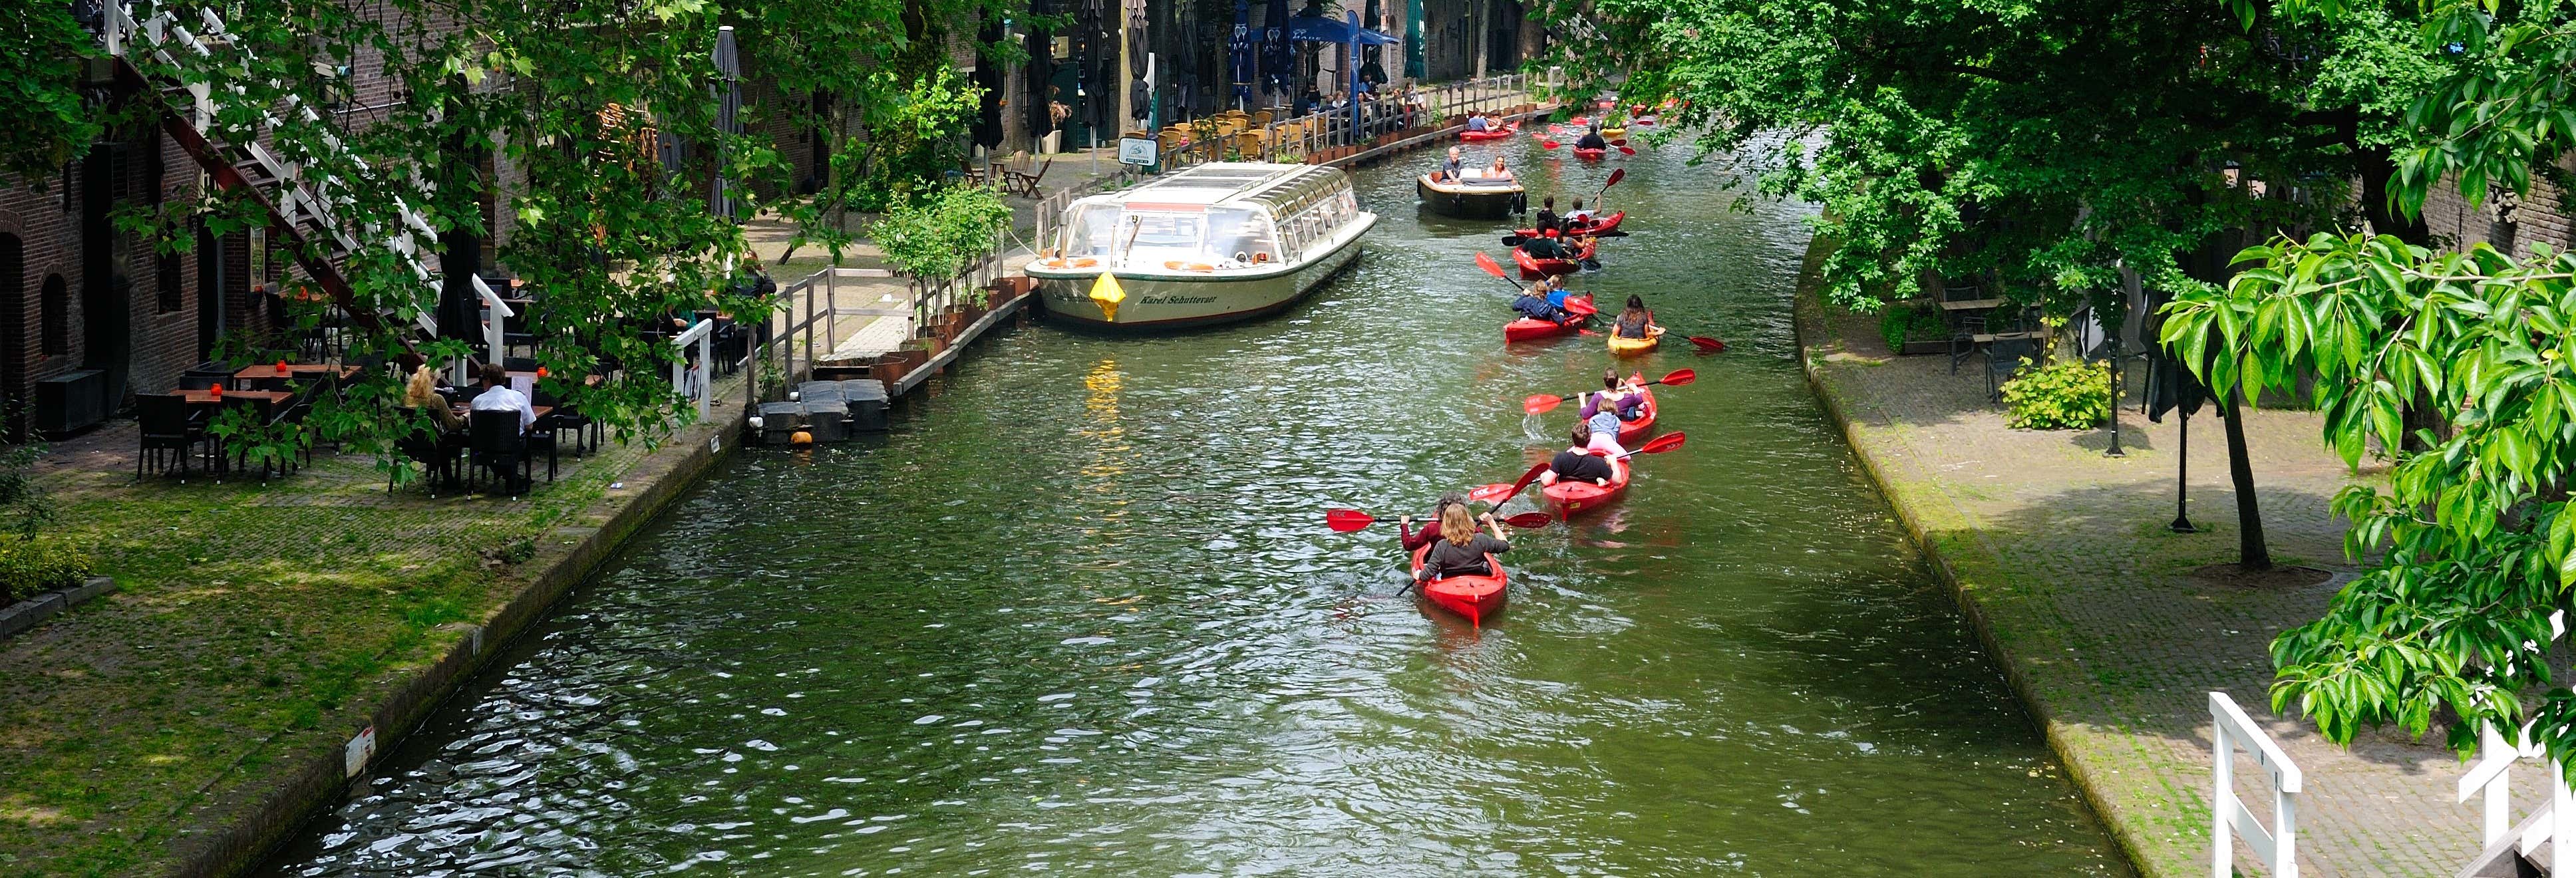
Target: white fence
(2277, 846)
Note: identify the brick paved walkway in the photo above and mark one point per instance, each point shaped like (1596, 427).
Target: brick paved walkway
(2065, 554)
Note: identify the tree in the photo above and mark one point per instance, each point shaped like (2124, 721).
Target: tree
(2044, 145)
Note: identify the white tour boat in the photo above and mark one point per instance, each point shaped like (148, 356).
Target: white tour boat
(1217, 242)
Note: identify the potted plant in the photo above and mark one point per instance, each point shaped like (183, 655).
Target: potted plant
(891, 366)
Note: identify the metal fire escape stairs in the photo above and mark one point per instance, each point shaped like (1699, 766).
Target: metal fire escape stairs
(305, 210)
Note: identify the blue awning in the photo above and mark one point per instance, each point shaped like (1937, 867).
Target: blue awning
(1318, 29)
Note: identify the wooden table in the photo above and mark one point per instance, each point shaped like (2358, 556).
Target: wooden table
(208, 397)
(1972, 305)
(268, 372)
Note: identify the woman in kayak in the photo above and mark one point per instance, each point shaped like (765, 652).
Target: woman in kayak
(1460, 550)
(1413, 539)
(1625, 399)
(1577, 463)
(1591, 139)
(1635, 321)
(1603, 423)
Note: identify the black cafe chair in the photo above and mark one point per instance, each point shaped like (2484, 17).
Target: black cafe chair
(172, 431)
(495, 446)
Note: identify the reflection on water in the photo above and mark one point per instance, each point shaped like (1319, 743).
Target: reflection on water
(1078, 614)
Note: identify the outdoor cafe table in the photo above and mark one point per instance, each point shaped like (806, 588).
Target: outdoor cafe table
(265, 372)
(208, 397)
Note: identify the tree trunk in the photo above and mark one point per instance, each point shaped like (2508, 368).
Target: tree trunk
(2252, 554)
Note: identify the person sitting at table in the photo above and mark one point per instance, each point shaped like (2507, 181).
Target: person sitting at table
(497, 396)
(422, 393)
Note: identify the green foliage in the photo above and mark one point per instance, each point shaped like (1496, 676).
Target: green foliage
(1899, 323)
(933, 235)
(2469, 549)
(2046, 143)
(2066, 395)
(41, 52)
(30, 566)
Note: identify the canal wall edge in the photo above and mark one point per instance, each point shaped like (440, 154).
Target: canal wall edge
(1914, 509)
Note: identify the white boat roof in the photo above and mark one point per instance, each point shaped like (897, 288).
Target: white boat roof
(1216, 182)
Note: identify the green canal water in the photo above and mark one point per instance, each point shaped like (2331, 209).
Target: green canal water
(1079, 612)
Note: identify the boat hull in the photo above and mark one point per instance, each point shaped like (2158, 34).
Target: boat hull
(1533, 329)
(1475, 597)
(1630, 347)
(1466, 203)
(1571, 498)
(1170, 301)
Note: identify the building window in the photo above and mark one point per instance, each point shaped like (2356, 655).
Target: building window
(56, 315)
(166, 278)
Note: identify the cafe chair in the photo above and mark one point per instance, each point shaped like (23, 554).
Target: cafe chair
(172, 430)
(494, 446)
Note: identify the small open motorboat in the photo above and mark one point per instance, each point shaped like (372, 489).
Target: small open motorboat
(1470, 197)
(1572, 497)
(1598, 226)
(1533, 268)
(1533, 329)
(1629, 347)
(1490, 133)
(1474, 597)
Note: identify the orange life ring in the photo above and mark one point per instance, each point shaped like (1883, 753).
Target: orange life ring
(1177, 265)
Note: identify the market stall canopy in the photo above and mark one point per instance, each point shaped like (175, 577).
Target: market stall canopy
(1318, 29)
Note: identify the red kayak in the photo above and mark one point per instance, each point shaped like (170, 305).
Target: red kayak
(1533, 269)
(1590, 155)
(1490, 133)
(1605, 223)
(1474, 597)
(1533, 329)
(1631, 431)
(1572, 497)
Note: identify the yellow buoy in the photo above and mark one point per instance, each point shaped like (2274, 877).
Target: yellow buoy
(800, 437)
(1107, 292)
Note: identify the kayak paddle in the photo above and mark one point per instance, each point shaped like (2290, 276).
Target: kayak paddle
(1625, 150)
(1497, 493)
(1708, 345)
(1657, 445)
(1545, 402)
(1496, 269)
(1348, 520)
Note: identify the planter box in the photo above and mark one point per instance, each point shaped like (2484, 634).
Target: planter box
(890, 368)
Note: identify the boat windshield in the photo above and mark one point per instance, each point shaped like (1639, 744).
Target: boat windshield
(1227, 237)
(1240, 236)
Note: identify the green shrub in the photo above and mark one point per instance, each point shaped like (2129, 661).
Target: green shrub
(932, 235)
(31, 566)
(2071, 395)
(1900, 323)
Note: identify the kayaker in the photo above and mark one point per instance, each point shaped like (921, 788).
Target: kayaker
(1634, 321)
(1625, 399)
(1476, 121)
(1539, 303)
(1460, 550)
(1544, 246)
(1547, 215)
(1578, 217)
(1578, 463)
(1413, 539)
(1603, 422)
(1591, 139)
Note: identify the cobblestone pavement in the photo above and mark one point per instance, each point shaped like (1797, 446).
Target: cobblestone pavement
(2065, 554)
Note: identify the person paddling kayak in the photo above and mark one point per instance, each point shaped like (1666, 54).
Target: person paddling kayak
(1545, 246)
(1412, 539)
(1541, 303)
(1577, 463)
(1591, 140)
(1635, 321)
(1547, 221)
(1625, 399)
(1460, 550)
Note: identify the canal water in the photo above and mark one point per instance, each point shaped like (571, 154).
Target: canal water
(1079, 612)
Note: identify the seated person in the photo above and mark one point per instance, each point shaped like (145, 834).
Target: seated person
(1413, 539)
(1476, 121)
(1460, 550)
(1498, 171)
(1547, 215)
(421, 393)
(1450, 169)
(1539, 304)
(497, 396)
(1591, 139)
(1577, 463)
(1544, 246)
(1579, 216)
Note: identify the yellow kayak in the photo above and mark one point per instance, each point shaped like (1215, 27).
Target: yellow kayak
(1614, 133)
(1629, 347)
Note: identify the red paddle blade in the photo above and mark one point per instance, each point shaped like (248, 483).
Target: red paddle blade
(1489, 265)
(1528, 520)
(1549, 144)
(1619, 142)
(1493, 494)
(1581, 306)
(1541, 402)
(1707, 345)
(1346, 520)
(1678, 377)
(1661, 444)
(1620, 174)
(1528, 477)
(1522, 258)
(1627, 151)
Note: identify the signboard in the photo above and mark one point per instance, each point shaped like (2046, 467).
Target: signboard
(1136, 150)
(361, 749)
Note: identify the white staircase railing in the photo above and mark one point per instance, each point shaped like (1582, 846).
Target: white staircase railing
(162, 33)
(2553, 823)
(2277, 846)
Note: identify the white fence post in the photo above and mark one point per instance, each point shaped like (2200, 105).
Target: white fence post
(2279, 846)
